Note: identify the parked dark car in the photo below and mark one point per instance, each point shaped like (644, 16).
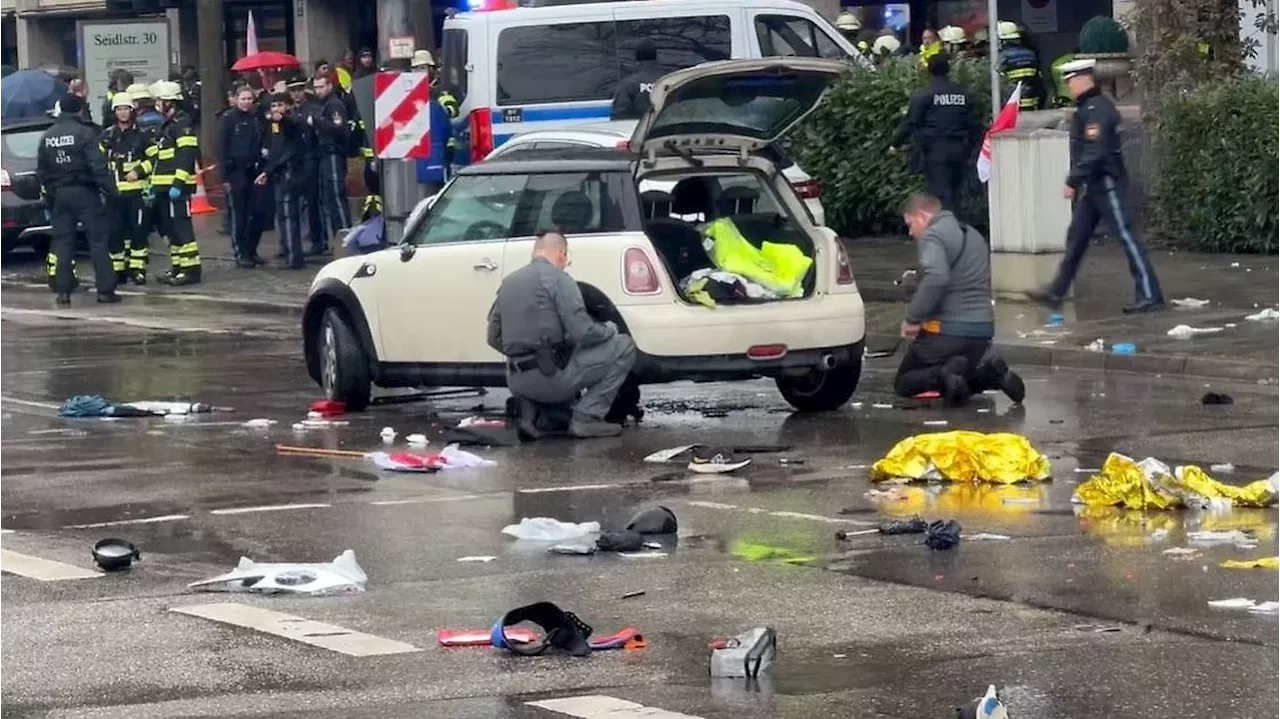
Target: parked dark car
(23, 213)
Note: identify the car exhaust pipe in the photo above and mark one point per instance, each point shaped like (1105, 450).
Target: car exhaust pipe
(827, 362)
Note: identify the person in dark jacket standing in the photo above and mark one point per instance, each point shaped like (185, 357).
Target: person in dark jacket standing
(74, 179)
(285, 170)
(307, 110)
(125, 145)
(241, 146)
(333, 138)
(1098, 182)
(631, 101)
(949, 319)
(942, 127)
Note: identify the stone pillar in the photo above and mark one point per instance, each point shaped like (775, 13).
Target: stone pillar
(319, 31)
(38, 43)
(212, 66)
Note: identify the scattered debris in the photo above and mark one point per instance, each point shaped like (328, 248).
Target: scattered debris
(632, 595)
(1209, 538)
(761, 448)
(388, 435)
(578, 548)
(961, 456)
(406, 462)
(1217, 398)
(666, 455)
(935, 423)
(747, 655)
(341, 575)
(482, 558)
(753, 552)
(989, 706)
(546, 529)
(981, 536)
(717, 463)
(319, 452)
(114, 555)
(1182, 552)
(642, 555)
(856, 405)
(880, 405)
(1224, 467)
(1272, 563)
(561, 630)
(1265, 608)
(1098, 345)
(480, 637)
(1186, 332)
(419, 440)
(259, 423)
(623, 541)
(789, 461)
(843, 534)
(942, 534)
(715, 413)
(1236, 603)
(1055, 319)
(1266, 314)
(1159, 535)
(1124, 348)
(1099, 628)
(1150, 484)
(915, 525)
(92, 405)
(1235, 264)
(327, 408)
(1188, 302)
(654, 520)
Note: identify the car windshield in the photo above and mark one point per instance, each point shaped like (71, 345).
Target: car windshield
(22, 143)
(477, 208)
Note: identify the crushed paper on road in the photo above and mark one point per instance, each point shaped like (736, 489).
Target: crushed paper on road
(1150, 484)
(961, 456)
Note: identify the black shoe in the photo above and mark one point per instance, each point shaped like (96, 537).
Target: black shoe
(138, 278)
(317, 251)
(122, 277)
(955, 381)
(526, 420)
(591, 428)
(1140, 306)
(63, 298)
(1006, 379)
(246, 264)
(184, 278)
(282, 255)
(108, 298)
(257, 260)
(1045, 298)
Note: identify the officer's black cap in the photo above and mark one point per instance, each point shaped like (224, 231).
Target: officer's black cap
(646, 52)
(939, 66)
(297, 83)
(71, 104)
(281, 97)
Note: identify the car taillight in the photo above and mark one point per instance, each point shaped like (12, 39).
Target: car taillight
(481, 134)
(638, 275)
(5, 185)
(623, 145)
(844, 272)
(808, 190)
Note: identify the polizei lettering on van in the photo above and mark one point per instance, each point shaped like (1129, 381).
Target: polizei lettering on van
(119, 38)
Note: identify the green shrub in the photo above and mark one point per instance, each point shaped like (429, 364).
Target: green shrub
(1102, 34)
(1216, 150)
(845, 146)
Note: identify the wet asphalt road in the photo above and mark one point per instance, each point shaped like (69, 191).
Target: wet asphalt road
(879, 627)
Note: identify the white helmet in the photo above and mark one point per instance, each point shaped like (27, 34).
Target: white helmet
(166, 90)
(138, 91)
(848, 22)
(1008, 30)
(952, 35)
(122, 99)
(885, 45)
(422, 58)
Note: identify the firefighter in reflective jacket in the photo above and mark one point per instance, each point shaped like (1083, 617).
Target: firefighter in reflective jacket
(1019, 64)
(444, 110)
(125, 145)
(177, 152)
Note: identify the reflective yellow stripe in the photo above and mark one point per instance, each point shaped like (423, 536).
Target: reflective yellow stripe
(152, 150)
(146, 166)
(188, 141)
(182, 176)
(162, 180)
(366, 152)
(1021, 73)
(126, 186)
(167, 154)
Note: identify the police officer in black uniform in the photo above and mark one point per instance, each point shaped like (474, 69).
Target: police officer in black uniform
(1097, 182)
(307, 110)
(74, 180)
(333, 138)
(942, 128)
(286, 171)
(241, 147)
(631, 101)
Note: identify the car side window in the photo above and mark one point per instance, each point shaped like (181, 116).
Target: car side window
(680, 41)
(473, 208)
(791, 36)
(566, 62)
(575, 202)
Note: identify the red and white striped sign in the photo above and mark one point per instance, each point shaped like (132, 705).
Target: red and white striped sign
(402, 106)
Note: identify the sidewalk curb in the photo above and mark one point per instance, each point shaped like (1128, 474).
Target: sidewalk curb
(1079, 358)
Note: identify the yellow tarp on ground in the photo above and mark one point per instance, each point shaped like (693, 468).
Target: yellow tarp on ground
(999, 458)
(1264, 563)
(1150, 484)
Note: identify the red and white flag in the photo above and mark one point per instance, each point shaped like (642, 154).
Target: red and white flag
(251, 37)
(1006, 120)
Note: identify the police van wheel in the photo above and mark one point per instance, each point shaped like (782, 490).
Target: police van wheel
(822, 391)
(344, 370)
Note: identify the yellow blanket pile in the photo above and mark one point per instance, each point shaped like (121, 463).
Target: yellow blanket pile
(1150, 484)
(998, 458)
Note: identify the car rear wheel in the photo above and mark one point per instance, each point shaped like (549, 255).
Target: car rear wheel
(822, 391)
(344, 369)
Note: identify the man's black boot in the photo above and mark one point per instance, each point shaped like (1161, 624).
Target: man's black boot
(526, 419)
(995, 371)
(955, 381)
(63, 298)
(1045, 298)
(1152, 305)
(108, 298)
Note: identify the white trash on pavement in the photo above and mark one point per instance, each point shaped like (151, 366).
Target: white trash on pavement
(546, 529)
(341, 575)
(1186, 332)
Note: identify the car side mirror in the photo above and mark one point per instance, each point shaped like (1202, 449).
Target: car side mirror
(407, 252)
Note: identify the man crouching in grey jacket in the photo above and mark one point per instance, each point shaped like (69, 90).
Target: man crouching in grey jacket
(949, 319)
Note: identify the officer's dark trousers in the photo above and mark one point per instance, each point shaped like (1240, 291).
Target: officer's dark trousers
(333, 194)
(945, 165)
(127, 239)
(244, 208)
(317, 234)
(921, 368)
(289, 222)
(1103, 199)
(84, 205)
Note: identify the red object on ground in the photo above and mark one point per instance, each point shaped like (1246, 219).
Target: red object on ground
(413, 461)
(328, 408)
(927, 395)
(479, 637)
(265, 61)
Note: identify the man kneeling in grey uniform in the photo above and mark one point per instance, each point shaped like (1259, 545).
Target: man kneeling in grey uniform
(556, 353)
(949, 319)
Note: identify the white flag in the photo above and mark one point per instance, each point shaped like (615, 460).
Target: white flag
(1006, 120)
(251, 37)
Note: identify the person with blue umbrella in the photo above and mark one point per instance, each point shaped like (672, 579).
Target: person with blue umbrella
(29, 93)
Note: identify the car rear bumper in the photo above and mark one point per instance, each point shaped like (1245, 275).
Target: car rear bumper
(731, 367)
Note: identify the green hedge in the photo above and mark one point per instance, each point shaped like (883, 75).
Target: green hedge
(1216, 150)
(845, 143)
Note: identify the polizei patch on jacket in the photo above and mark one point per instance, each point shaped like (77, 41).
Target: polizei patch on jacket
(1092, 131)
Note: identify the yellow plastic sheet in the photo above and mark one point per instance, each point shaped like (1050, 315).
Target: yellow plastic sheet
(1263, 563)
(1150, 484)
(999, 458)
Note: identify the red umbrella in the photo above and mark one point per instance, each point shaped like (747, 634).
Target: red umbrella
(264, 61)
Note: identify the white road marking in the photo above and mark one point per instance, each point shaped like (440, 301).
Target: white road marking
(599, 706)
(299, 629)
(425, 500)
(119, 522)
(29, 403)
(781, 514)
(6, 531)
(574, 488)
(269, 508)
(46, 570)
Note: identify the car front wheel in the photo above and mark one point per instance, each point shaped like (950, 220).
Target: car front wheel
(822, 391)
(344, 369)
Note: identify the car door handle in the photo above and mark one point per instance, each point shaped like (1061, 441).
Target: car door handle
(487, 265)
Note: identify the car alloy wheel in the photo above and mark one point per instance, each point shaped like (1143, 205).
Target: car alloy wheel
(329, 368)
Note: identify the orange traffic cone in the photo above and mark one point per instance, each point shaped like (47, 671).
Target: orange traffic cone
(200, 204)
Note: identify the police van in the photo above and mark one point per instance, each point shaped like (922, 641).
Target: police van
(538, 68)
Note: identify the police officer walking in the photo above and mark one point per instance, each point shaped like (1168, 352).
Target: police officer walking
(177, 155)
(125, 145)
(287, 171)
(554, 349)
(1098, 182)
(240, 151)
(74, 179)
(942, 128)
(332, 137)
(631, 101)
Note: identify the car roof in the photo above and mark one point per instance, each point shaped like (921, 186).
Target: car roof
(26, 123)
(574, 159)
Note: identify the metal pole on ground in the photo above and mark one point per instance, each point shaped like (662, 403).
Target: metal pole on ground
(400, 189)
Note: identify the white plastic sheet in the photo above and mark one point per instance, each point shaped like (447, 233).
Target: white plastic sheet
(341, 575)
(1186, 332)
(546, 529)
